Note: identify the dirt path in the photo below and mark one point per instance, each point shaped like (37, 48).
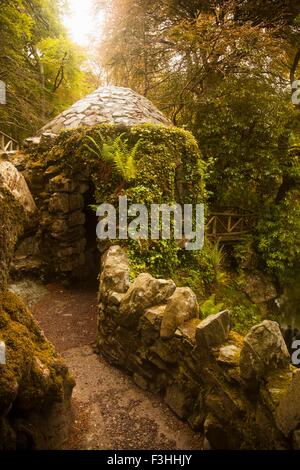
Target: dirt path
(111, 412)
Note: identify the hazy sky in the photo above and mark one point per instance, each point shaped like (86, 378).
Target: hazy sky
(81, 21)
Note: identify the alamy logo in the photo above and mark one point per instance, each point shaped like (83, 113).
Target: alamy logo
(163, 221)
(2, 353)
(296, 92)
(2, 92)
(295, 358)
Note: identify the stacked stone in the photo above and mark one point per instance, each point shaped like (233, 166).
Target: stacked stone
(66, 219)
(58, 246)
(241, 391)
(108, 104)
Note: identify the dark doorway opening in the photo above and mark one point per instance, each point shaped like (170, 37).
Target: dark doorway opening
(92, 255)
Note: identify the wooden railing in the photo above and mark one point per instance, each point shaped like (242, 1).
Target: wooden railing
(229, 226)
(7, 143)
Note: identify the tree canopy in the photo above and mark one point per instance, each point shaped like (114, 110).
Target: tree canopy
(39, 64)
(223, 69)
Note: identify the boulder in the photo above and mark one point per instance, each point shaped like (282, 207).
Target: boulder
(17, 212)
(259, 287)
(14, 182)
(2, 353)
(263, 350)
(145, 292)
(150, 323)
(296, 439)
(182, 306)
(178, 400)
(35, 385)
(229, 355)
(115, 272)
(27, 255)
(288, 410)
(213, 330)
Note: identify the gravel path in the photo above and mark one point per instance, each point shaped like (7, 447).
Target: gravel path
(111, 412)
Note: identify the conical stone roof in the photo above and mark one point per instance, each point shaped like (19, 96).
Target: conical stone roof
(109, 104)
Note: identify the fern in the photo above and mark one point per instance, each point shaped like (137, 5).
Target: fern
(118, 152)
(217, 257)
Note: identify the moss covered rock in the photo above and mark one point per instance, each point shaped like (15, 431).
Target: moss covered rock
(35, 386)
(17, 211)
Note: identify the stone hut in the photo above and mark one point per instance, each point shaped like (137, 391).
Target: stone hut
(67, 176)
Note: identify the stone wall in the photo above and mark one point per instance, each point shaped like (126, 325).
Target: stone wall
(58, 245)
(242, 392)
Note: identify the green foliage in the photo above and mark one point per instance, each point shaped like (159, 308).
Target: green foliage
(39, 64)
(241, 128)
(216, 256)
(159, 258)
(279, 237)
(117, 151)
(210, 306)
(202, 271)
(243, 317)
(96, 148)
(123, 156)
(244, 314)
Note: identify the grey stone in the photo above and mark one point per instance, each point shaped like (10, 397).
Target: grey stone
(154, 315)
(288, 411)
(59, 202)
(61, 184)
(150, 322)
(145, 292)
(182, 306)
(178, 400)
(59, 226)
(27, 255)
(229, 355)
(115, 298)
(2, 353)
(14, 182)
(259, 287)
(187, 331)
(115, 271)
(107, 104)
(263, 350)
(31, 142)
(213, 330)
(165, 351)
(140, 381)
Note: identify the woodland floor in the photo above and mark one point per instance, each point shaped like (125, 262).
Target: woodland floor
(111, 412)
